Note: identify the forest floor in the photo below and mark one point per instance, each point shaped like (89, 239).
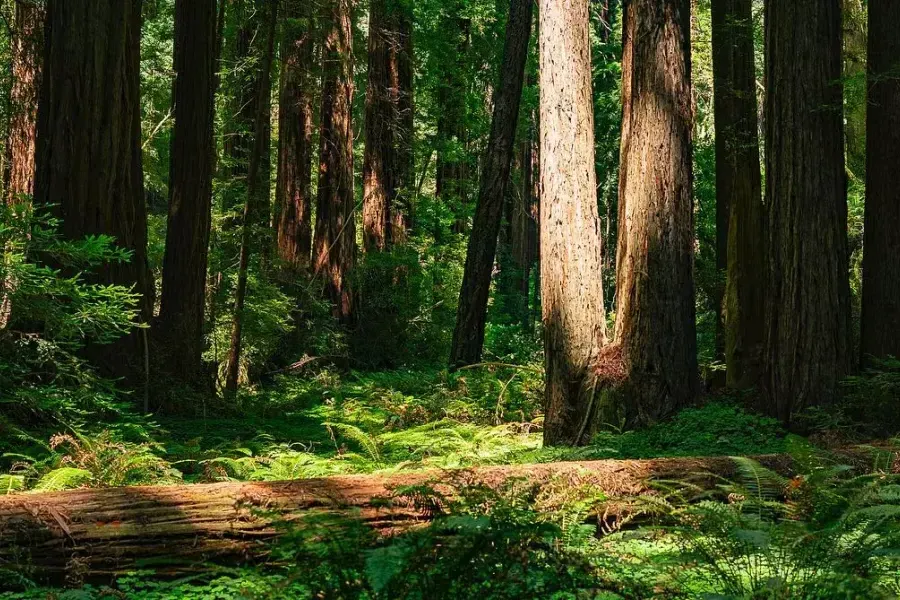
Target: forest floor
(332, 423)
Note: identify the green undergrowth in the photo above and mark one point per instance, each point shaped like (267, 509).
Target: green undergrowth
(361, 422)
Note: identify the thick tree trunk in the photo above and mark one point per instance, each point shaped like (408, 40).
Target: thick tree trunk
(380, 177)
(190, 191)
(27, 64)
(468, 336)
(655, 313)
(334, 245)
(571, 284)
(88, 155)
(252, 205)
(881, 269)
(807, 315)
(740, 251)
(91, 533)
(293, 189)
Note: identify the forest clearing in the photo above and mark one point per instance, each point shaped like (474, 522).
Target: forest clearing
(462, 299)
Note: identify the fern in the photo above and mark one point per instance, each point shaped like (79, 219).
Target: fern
(64, 478)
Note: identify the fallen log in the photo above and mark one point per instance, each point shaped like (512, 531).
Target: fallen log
(90, 533)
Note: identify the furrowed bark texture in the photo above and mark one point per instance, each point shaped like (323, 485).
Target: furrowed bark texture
(739, 208)
(655, 313)
(27, 65)
(293, 189)
(468, 336)
(571, 290)
(807, 314)
(881, 259)
(92, 533)
(190, 190)
(405, 132)
(380, 177)
(88, 154)
(334, 245)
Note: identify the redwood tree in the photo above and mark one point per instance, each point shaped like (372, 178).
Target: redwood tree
(881, 270)
(739, 208)
(334, 244)
(88, 155)
(807, 312)
(468, 336)
(190, 189)
(293, 188)
(655, 314)
(27, 58)
(572, 294)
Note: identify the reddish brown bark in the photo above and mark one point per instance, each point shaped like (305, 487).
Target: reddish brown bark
(404, 133)
(88, 154)
(334, 244)
(881, 271)
(655, 314)
(180, 320)
(293, 191)
(571, 290)
(740, 250)
(807, 313)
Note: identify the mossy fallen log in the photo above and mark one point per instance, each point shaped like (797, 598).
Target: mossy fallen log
(96, 533)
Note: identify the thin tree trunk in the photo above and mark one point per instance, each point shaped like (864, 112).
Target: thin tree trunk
(807, 316)
(571, 283)
(405, 132)
(190, 191)
(295, 151)
(334, 244)
(253, 204)
(740, 251)
(88, 149)
(379, 168)
(655, 313)
(468, 336)
(881, 269)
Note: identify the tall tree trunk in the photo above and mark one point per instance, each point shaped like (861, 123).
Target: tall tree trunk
(522, 224)
(468, 336)
(251, 37)
(571, 288)
(88, 154)
(379, 168)
(881, 270)
(253, 205)
(739, 208)
(190, 190)
(405, 132)
(655, 313)
(295, 125)
(807, 315)
(27, 57)
(334, 245)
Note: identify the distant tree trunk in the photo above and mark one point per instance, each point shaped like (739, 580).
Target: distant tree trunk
(334, 245)
(740, 251)
(405, 132)
(451, 128)
(27, 58)
(295, 125)
(807, 317)
(571, 288)
(251, 221)
(468, 337)
(523, 230)
(250, 16)
(379, 168)
(190, 190)
(91, 86)
(655, 314)
(881, 269)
